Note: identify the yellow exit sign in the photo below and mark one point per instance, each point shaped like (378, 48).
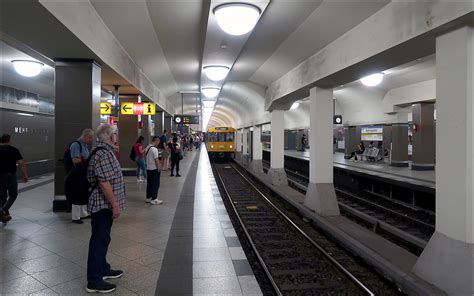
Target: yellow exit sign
(105, 108)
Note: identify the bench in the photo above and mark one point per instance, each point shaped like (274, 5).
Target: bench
(370, 154)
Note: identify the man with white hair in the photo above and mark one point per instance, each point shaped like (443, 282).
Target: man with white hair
(106, 201)
(79, 150)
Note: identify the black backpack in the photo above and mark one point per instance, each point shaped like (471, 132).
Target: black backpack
(132, 153)
(77, 185)
(68, 164)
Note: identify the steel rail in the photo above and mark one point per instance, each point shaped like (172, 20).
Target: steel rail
(249, 238)
(357, 282)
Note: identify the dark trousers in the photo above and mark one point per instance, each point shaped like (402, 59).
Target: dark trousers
(8, 191)
(175, 163)
(153, 183)
(97, 265)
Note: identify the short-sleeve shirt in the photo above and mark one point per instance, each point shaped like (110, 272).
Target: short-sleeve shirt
(9, 155)
(152, 154)
(137, 149)
(163, 140)
(104, 166)
(77, 152)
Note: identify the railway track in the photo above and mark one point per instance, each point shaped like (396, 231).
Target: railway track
(409, 227)
(296, 258)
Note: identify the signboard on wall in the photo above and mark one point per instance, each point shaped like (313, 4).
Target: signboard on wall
(372, 133)
(186, 119)
(129, 108)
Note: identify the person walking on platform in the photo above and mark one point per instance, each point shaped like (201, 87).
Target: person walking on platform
(165, 154)
(176, 156)
(140, 159)
(153, 170)
(9, 158)
(106, 202)
(79, 151)
(304, 142)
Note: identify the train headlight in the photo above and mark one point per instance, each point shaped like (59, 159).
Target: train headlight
(230, 146)
(212, 146)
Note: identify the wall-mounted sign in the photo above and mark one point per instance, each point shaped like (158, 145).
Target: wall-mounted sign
(186, 119)
(105, 108)
(337, 119)
(137, 108)
(372, 130)
(371, 133)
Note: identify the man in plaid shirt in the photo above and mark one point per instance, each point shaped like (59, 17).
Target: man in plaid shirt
(106, 202)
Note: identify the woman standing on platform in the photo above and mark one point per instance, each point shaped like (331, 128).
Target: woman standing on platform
(140, 158)
(176, 156)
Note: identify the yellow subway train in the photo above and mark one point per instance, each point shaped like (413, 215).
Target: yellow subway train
(221, 142)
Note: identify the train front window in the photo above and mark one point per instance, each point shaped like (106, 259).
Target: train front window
(221, 137)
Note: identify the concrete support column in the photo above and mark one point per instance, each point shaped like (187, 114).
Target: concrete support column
(128, 134)
(400, 141)
(351, 140)
(238, 144)
(448, 261)
(245, 144)
(159, 120)
(168, 125)
(321, 196)
(423, 137)
(77, 89)
(257, 150)
(146, 131)
(277, 174)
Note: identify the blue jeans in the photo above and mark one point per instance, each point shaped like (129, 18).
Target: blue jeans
(8, 191)
(140, 166)
(153, 184)
(97, 265)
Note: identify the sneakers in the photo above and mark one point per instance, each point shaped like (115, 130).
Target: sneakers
(102, 287)
(113, 274)
(172, 175)
(156, 202)
(78, 221)
(178, 175)
(4, 216)
(147, 200)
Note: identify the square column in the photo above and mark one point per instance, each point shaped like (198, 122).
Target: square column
(423, 137)
(168, 125)
(400, 141)
(128, 135)
(277, 174)
(321, 195)
(245, 145)
(447, 261)
(77, 107)
(238, 144)
(159, 120)
(257, 150)
(146, 131)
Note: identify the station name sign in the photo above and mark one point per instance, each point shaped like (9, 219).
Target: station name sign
(137, 108)
(186, 119)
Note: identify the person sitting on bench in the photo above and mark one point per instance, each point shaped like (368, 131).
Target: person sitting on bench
(360, 150)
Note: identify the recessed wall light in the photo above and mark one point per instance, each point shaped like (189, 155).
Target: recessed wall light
(27, 68)
(216, 73)
(372, 80)
(295, 105)
(210, 92)
(237, 18)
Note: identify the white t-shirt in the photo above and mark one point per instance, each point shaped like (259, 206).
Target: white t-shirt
(152, 154)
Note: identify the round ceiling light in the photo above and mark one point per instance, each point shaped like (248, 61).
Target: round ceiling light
(295, 106)
(208, 104)
(216, 73)
(237, 18)
(372, 80)
(210, 92)
(27, 68)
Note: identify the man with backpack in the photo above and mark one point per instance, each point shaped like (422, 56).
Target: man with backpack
(106, 201)
(79, 153)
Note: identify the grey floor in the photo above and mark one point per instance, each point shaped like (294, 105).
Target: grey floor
(43, 253)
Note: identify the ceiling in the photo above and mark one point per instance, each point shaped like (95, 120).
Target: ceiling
(172, 40)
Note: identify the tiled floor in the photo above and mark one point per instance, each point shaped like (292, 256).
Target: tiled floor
(43, 253)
